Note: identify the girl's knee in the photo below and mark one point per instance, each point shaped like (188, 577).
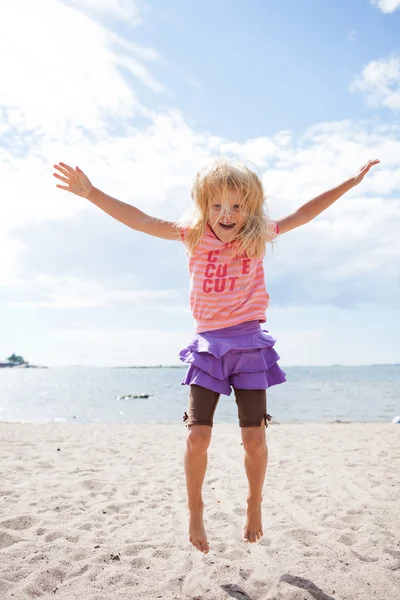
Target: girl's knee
(253, 440)
(198, 437)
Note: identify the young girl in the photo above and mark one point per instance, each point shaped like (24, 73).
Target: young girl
(225, 236)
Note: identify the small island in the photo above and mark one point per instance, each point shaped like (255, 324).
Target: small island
(15, 361)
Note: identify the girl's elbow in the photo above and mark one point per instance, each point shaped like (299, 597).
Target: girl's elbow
(304, 216)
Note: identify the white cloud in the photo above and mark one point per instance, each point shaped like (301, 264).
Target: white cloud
(62, 72)
(386, 6)
(61, 88)
(380, 81)
(258, 150)
(123, 9)
(153, 167)
(72, 292)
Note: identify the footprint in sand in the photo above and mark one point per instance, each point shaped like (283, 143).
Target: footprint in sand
(392, 553)
(137, 563)
(304, 536)
(18, 523)
(45, 465)
(367, 559)
(220, 516)
(114, 579)
(135, 549)
(8, 493)
(107, 494)
(142, 484)
(219, 547)
(7, 540)
(54, 535)
(114, 508)
(264, 542)
(36, 559)
(348, 539)
(244, 573)
(91, 484)
(240, 511)
(46, 581)
(234, 555)
(77, 558)
(162, 553)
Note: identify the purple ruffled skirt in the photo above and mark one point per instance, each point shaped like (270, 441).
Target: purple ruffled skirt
(242, 356)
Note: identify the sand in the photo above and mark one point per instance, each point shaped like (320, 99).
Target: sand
(92, 512)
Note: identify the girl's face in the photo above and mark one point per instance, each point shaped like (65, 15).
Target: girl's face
(226, 219)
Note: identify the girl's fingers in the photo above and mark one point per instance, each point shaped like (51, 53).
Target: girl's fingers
(63, 171)
(61, 178)
(63, 187)
(371, 163)
(68, 168)
(366, 168)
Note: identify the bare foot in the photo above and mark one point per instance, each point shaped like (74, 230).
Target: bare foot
(197, 533)
(253, 529)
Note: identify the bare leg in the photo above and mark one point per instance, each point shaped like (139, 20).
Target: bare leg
(255, 461)
(195, 460)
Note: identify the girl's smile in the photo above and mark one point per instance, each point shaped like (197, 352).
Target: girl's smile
(226, 218)
(227, 225)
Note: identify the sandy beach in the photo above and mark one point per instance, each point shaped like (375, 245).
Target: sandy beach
(96, 512)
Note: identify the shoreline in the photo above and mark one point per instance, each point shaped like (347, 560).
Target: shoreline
(272, 423)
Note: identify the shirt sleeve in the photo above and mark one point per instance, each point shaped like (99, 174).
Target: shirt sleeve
(183, 231)
(273, 229)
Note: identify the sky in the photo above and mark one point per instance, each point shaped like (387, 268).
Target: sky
(140, 94)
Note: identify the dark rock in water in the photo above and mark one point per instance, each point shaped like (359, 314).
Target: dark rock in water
(127, 396)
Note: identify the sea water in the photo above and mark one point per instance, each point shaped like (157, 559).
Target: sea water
(96, 395)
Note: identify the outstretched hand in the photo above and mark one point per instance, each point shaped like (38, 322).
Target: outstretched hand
(364, 170)
(76, 180)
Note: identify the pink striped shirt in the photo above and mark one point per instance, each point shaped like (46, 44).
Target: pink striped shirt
(225, 290)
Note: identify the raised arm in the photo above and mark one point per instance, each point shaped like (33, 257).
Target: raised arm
(79, 184)
(317, 205)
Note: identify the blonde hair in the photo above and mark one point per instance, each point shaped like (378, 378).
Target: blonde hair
(212, 183)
